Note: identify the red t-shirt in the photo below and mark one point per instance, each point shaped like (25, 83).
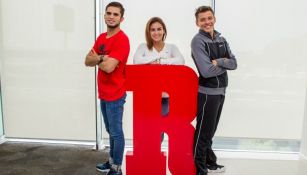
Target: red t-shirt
(111, 86)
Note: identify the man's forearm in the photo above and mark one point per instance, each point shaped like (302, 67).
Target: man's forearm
(92, 60)
(108, 64)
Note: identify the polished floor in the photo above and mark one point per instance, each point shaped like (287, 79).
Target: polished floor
(55, 159)
(260, 163)
(264, 167)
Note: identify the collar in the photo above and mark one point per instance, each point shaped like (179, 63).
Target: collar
(216, 34)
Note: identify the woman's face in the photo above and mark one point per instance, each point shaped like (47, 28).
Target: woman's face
(156, 32)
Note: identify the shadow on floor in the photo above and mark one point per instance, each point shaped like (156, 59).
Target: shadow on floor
(49, 159)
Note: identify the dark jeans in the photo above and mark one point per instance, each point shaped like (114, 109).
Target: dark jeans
(209, 110)
(112, 112)
(164, 111)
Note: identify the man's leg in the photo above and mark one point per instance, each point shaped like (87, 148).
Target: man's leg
(115, 111)
(220, 102)
(104, 114)
(211, 157)
(104, 167)
(206, 117)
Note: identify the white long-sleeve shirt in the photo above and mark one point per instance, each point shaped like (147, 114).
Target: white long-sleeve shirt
(170, 54)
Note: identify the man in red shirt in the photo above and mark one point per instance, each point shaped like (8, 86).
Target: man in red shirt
(110, 54)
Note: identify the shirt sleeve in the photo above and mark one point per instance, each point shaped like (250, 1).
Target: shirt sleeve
(96, 45)
(175, 57)
(228, 63)
(121, 49)
(202, 60)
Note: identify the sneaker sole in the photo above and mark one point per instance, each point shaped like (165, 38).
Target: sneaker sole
(219, 170)
(103, 171)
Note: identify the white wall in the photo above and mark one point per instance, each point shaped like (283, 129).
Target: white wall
(48, 93)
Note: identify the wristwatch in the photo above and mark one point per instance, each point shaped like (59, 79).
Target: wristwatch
(100, 59)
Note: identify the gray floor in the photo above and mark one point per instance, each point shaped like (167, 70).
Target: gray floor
(51, 159)
(48, 159)
(264, 167)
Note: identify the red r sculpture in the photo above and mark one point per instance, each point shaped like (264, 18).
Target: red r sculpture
(147, 82)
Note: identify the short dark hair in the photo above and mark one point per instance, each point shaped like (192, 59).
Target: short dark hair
(203, 9)
(118, 5)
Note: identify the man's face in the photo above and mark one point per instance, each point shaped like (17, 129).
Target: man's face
(206, 21)
(112, 17)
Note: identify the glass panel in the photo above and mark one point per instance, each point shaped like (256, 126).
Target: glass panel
(48, 93)
(1, 68)
(266, 94)
(180, 23)
(1, 119)
(304, 133)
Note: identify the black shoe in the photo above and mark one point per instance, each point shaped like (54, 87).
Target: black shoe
(216, 168)
(113, 172)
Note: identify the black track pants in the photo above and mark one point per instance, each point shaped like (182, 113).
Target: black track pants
(209, 110)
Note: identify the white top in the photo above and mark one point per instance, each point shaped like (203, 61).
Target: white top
(168, 55)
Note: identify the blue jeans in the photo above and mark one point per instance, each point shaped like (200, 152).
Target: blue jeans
(112, 112)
